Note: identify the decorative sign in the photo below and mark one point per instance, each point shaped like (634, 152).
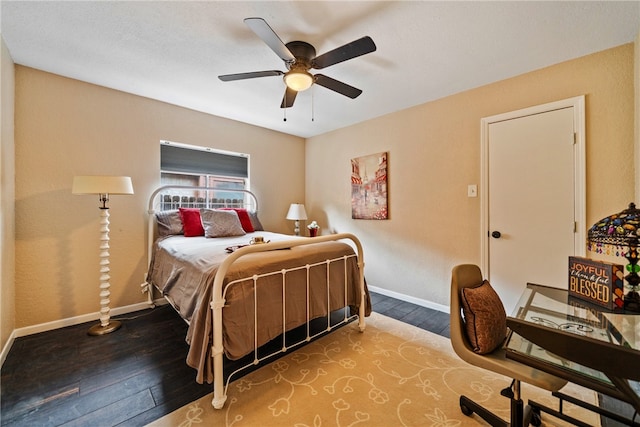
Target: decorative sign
(597, 282)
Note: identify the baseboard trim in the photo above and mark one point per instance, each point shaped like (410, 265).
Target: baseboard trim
(7, 347)
(71, 321)
(408, 298)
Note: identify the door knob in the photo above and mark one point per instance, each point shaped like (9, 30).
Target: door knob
(496, 234)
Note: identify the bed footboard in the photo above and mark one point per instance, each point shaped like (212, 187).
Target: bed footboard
(220, 386)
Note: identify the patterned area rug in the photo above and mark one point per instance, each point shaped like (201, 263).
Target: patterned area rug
(393, 374)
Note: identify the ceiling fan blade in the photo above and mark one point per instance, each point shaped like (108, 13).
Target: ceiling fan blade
(264, 31)
(252, 75)
(348, 51)
(337, 86)
(289, 98)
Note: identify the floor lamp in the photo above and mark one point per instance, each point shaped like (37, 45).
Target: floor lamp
(296, 213)
(103, 186)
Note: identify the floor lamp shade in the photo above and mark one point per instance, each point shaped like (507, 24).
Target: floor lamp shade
(103, 186)
(100, 184)
(296, 213)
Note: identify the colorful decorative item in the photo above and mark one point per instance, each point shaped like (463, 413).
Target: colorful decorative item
(313, 229)
(617, 235)
(597, 282)
(369, 197)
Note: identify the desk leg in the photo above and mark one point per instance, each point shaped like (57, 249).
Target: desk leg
(623, 385)
(589, 407)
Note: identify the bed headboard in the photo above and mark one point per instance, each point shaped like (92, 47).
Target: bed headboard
(171, 197)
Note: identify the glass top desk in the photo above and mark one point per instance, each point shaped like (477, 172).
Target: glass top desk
(582, 343)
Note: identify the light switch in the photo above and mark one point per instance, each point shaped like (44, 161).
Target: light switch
(472, 190)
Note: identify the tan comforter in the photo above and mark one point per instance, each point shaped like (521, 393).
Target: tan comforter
(183, 269)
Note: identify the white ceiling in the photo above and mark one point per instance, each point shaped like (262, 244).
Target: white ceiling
(173, 51)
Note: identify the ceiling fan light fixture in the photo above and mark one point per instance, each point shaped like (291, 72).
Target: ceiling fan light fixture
(298, 80)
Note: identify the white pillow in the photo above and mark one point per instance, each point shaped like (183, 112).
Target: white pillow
(219, 223)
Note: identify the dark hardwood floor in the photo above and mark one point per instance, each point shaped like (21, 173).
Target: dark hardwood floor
(128, 378)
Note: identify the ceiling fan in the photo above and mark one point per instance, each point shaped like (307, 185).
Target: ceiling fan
(299, 57)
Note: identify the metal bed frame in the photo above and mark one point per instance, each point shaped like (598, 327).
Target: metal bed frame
(217, 303)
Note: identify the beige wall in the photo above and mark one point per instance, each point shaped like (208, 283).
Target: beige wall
(434, 154)
(7, 193)
(64, 128)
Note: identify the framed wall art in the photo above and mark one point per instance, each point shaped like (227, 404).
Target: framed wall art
(369, 194)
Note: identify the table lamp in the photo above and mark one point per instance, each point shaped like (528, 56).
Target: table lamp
(617, 235)
(296, 213)
(103, 186)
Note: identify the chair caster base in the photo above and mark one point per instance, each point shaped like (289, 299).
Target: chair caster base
(507, 392)
(469, 407)
(465, 410)
(536, 419)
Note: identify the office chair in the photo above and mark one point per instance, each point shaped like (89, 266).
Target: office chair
(469, 276)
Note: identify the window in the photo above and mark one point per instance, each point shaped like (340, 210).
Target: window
(182, 164)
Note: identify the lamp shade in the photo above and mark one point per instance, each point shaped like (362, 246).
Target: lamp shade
(298, 80)
(619, 231)
(100, 184)
(618, 234)
(297, 212)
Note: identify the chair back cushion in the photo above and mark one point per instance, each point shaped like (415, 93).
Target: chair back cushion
(484, 316)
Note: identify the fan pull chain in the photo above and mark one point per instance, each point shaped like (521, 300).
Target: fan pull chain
(284, 111)
(313, 113)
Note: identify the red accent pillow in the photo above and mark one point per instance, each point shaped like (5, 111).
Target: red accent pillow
(191, 222)
(245, 220)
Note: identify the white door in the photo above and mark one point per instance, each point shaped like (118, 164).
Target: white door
(534, 204)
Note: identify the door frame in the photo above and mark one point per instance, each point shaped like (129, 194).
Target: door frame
(579, 163)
